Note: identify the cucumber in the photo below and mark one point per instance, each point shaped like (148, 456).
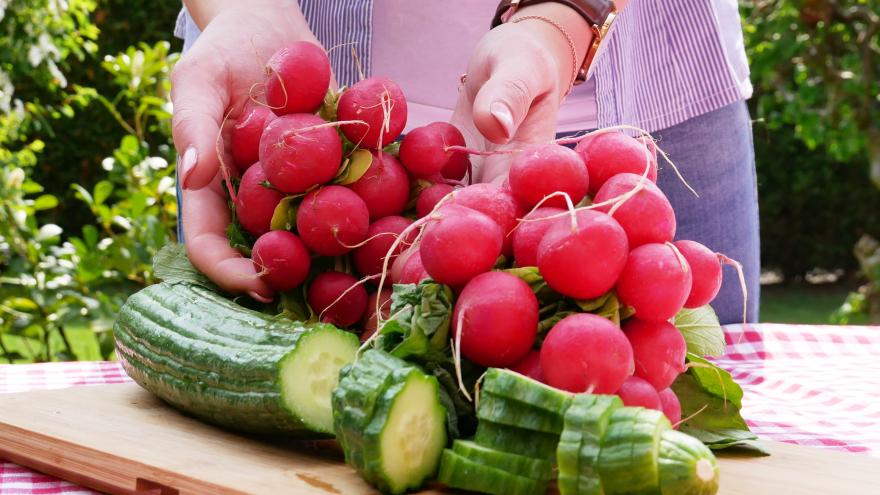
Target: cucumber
(516, 440)
(512, 412)
(628, 455)
(397, 445)
(512, 385)
(536, 469)
(231, 366)
(686, 466)
(586, 421)
(457, 471)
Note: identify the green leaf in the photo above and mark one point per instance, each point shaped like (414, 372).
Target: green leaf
(238, 239)
(45, 202)
(83, 194)
(702, 331)
(294, 306)
(419, 324)
(102, 191)
(172, 265)
(531, 276)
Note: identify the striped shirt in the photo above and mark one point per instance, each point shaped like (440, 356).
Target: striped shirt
(664, 61)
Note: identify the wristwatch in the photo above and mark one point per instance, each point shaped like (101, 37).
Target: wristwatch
(599, 14)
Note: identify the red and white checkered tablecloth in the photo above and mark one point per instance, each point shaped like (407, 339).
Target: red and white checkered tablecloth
(804, 384)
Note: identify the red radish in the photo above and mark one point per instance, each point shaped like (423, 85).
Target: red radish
(369, 258)
(297, 154)
(636, 392)
(244, 140)
(384, 187)
(528, 235)
(400, 262)
(655, 282)
(256, 201)
(429, 197)
(586, 353)
(281, 259)
(670, 405)
(646, 216)
(423, 151)
(530, 366)
(540, 170)
(706, 270)
(413, 270)
(380, 103)
(610, 153)
(659, 350)
(584, 262)
(458, 244)
(332, 219)
(326, 299)
(495, 203)
(370, 317)
(498, 314)
(297, 78)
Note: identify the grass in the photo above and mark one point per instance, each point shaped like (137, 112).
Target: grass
(802, 303)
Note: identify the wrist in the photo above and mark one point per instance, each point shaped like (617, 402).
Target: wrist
(203, 12)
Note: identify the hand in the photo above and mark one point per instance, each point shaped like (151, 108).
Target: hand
(517, 77)
(212, 82)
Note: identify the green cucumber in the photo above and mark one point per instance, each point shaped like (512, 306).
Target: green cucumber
(231, 366)
(514, 386)
(397, 445)
(516, 440)
(586, 421)
(686, 466)
(536, 469)
(457, 471)
(512, 412)
(628, 456)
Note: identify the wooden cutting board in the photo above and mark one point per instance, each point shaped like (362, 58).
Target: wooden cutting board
(120, 439)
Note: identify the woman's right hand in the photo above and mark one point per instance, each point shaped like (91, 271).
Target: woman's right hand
(213, 81)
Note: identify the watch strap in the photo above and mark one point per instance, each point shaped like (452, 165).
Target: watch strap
(595, 12)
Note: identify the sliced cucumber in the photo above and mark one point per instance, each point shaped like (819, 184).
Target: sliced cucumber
(686, 466)
(516, 440)
(512, 385)
(457, 471)
(529, 467)
(627, 462)
(586, 421)
(506, 411)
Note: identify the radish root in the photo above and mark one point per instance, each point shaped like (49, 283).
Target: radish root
(742, 283)
(456, 357)
(345, 292)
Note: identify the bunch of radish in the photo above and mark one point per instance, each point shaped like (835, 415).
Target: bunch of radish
(590, 219)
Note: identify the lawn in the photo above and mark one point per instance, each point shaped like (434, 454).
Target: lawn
(802, 303)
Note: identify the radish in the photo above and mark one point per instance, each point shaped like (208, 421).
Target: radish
(369, 258)
(656, 282)
(281, 259)
(299, 151)
(528, 235)
(371, 319)
(384, 187)
(670, 405)
(396, 267)
(423, 151)
(244, 139)
(332, 219)
(586, 353)
(458, 244)
(583, 262)
(636, 392)
(495, 203)
(377, 101)
(646, 216)
(413, 271)
(610, 153)
(541, 170)
(297, 78)
(325, 297)
(706, 270)
(530, 366)
(429, 197)
(497, 315)
(256, 201)
(659, 350)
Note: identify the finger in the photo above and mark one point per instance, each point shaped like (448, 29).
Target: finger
(205, 218)
(200, 98)
(504, 100)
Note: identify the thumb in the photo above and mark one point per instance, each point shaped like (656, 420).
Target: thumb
(199, 98)
(504, 100)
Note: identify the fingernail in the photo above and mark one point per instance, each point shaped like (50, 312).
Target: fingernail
(188, 164)
(503, 115)
(259, 297)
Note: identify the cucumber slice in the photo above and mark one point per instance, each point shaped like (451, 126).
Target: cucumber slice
(586, 421)
(457, 471)
(506, 411)
(536, 469)
(686, 466)
(628, 455)
(516, 440)
(512, 385)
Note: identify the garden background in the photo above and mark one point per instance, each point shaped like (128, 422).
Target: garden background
(87, 190)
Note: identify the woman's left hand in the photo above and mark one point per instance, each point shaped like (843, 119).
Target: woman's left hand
(517, 77)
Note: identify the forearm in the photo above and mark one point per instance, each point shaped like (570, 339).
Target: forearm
(203, 11)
